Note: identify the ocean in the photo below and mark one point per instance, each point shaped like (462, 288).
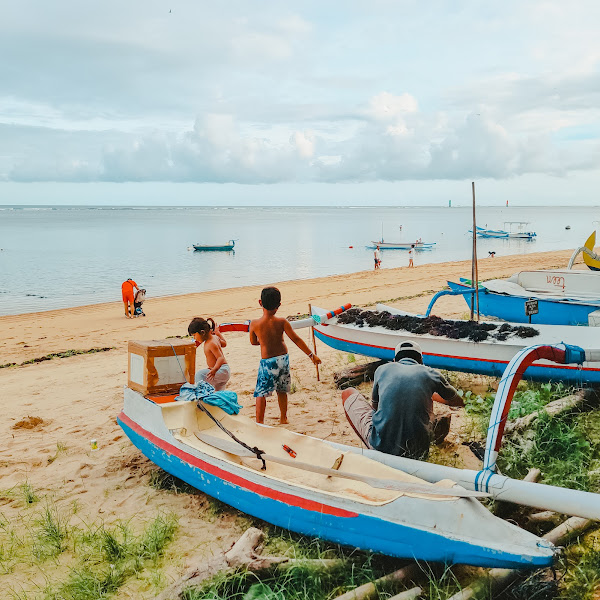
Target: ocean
(65, 256)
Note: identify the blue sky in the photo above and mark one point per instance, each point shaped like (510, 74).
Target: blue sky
(246, 102)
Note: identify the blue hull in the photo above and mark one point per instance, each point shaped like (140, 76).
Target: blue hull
(512, 308)
(315, 519)
(494, 368)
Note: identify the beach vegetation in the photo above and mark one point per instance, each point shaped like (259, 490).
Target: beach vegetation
(53, 355)
(92, 560)
(28, 494)
(60, 449)
(582, 570)
(304, 579)
(51, 532)
(565, 447)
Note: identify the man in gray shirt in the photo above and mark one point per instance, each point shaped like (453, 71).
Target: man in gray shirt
(400, 420)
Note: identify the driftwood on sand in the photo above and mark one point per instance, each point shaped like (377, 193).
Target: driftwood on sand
(496, 579)
(357, 374)
(245, 553)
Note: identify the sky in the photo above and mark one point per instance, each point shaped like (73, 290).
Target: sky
(269, 102)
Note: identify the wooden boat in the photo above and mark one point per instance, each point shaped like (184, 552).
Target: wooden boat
(423, 525)
(224, 247)
(515, 230)
(485, 357)
(416, 245)
(506, 298)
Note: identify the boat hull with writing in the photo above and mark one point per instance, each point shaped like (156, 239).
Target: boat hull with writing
(484, 357)
(506, 300)
(423, 527)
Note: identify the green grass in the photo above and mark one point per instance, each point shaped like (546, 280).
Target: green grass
(582, 577)
(28, 493)
(302, 581)
(566, 448)
(81, 561)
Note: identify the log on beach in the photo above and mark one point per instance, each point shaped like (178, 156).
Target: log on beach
(244, 554)
(582, 400)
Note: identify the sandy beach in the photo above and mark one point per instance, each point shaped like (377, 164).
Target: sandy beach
(76, 399)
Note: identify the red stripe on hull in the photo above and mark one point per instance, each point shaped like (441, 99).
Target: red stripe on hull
(290, 499)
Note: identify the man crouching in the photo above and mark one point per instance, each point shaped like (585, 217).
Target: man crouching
(399, 421)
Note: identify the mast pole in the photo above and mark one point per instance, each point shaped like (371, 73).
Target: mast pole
(474, 269)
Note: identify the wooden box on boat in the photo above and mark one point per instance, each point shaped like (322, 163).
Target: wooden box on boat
(160, 366)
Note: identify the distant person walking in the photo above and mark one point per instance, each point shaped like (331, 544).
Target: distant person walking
(377, 257)
(129, 297)
(411, 254)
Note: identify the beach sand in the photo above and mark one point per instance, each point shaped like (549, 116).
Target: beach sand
(77, 399)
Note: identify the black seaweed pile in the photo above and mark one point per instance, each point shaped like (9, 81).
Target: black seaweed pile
(455, 330)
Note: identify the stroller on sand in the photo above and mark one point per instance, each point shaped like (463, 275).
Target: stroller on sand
(140, 296)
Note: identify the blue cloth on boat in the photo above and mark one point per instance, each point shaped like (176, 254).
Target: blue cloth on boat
(204, 392)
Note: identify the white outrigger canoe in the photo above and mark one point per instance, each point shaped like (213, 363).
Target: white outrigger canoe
(402, 518)
(484, 357)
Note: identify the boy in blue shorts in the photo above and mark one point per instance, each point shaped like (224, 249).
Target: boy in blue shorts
(274, 369)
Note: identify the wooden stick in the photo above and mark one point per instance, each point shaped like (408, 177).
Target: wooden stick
(368, 591)
(314, 341)
(543, 517)
(408, 594)
(533, 475)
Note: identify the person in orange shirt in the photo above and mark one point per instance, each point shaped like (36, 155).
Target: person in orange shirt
(128, 296)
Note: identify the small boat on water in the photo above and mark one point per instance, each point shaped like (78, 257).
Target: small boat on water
(456, 351)
(332, 490)
(225, 247)
(416, 245)
(564, 297)
(515, 230)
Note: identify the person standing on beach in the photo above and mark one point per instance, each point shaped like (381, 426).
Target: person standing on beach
(411, 253)
(377, 257)
(400, 420)
(274, 368)
(129, 297)
(204, 331)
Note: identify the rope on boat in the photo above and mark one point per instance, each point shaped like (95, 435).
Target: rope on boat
(255, 450)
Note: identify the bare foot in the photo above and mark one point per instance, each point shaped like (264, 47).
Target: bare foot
(283, 421)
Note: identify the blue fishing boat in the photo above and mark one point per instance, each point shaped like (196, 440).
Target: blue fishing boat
(224, 247)
(561, 297)
(488, 356)
(360, 502)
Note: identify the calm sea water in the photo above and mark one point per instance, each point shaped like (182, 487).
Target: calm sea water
(55, 257)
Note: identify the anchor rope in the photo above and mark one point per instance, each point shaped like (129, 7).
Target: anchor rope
(255, 450)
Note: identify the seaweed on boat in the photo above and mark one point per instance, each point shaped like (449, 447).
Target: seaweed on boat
(456, 330)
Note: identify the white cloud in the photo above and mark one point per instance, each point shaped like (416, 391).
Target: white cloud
(260, 93)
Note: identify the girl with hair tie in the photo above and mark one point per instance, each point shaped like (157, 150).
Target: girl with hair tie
(218, 372)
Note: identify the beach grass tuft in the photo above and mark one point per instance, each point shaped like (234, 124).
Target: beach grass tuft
(28, 494)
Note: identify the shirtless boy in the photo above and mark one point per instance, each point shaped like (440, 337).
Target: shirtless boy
(274, 369)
